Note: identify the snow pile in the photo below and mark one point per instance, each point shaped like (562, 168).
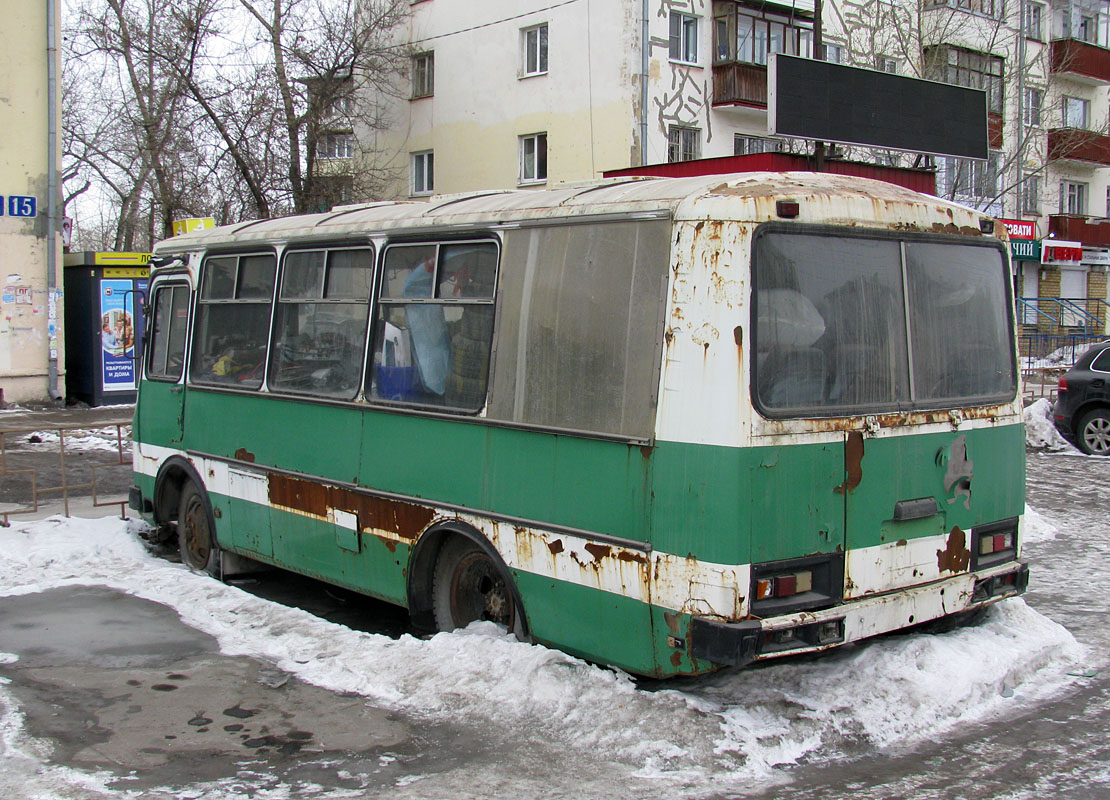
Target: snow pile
(1040, 433)
(92, 439)
(734, 725)
(1036, 528)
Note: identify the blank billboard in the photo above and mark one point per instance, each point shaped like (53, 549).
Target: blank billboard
(834, 103)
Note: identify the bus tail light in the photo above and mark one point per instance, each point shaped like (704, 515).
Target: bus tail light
(782, 587)
(994, 544)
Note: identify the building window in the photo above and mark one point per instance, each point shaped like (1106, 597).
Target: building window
(751, 37)
(1032, 26)
(1073, 198)
(1031, 196)
(1032, 107)
(335, 145)
(339, 108)
(533, 158)
(834, 53)
(967, 68)
(423, 172)
(1077, 113)
(423, 75)
(534, 44)
(971, 178)
(684, 38)
(683, 144)
(886, 64)
(750, 145)
(1088, 29)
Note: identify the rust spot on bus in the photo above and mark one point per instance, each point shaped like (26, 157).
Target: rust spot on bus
(598, 551)
(555, 547)
(738, 336)
(853, 462)
(676, 659)
(955, 557)
(896, 419)
(243, 454)
(407, 520)
(636, 558)
(390, 544)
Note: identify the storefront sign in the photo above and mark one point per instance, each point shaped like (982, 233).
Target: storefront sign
(1063, 253)
(1096, 258)
(117, 334)
(1020, 228)
(1025, 250)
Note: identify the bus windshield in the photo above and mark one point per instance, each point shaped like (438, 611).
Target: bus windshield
(850, 324)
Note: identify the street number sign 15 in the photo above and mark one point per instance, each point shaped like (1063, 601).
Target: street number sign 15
(21, 206)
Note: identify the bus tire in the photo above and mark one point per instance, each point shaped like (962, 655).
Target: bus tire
(469, 585)
(196, 532)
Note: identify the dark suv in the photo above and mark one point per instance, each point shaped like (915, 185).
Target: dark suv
(1082, 410)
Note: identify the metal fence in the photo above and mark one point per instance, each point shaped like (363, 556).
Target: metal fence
(37, 467)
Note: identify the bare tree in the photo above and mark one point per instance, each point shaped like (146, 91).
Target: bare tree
(214, 107)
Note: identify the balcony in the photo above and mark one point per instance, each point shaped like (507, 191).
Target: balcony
(1080, 146)
(1074, 228)
(737, 84)
(1081, 61)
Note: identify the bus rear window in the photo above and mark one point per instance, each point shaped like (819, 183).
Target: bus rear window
(853, 324)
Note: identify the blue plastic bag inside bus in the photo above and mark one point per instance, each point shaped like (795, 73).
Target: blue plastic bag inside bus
(395, 383)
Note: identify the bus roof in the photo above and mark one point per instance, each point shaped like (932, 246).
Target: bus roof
(751, 196)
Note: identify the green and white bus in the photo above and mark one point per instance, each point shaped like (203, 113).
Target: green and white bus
(662, 424)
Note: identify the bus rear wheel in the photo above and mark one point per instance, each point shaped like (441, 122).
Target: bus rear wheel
(196, 533)
(468, 585)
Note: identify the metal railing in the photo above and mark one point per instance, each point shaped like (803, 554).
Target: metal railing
(13, 449)
(1061, 312)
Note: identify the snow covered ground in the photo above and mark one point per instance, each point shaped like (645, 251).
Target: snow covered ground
(714, 736)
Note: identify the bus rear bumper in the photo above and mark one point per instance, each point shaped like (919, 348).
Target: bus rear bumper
(740, 643)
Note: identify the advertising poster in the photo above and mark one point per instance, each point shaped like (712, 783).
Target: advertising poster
(117, 334)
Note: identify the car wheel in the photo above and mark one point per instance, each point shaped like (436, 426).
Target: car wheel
(1093, 435)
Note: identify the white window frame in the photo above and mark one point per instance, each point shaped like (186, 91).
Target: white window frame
(1076, 112)
(886, 64)
(683, 38)
(335, 145)
(1034, 21)
(1032, 105)
(834, 53)
(743, 145)
(423, 172)
(683, 143)
(533, 155)
(1031, 195)
(534, 50)
(1073, 197)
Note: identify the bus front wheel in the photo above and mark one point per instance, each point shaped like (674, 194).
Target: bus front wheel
(468, 585)
(196, 534)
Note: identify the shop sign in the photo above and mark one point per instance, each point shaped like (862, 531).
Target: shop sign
(1020, 228)
(1063, 253)
(1025, 250)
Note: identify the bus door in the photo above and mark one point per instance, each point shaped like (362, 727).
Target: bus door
(160, 413)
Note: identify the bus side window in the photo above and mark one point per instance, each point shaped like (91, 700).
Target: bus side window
(434, 325)
(320, 325)
(170, 321)
(233, 320)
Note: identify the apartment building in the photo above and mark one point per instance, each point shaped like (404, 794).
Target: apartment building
(519, 94)
(30, 241)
